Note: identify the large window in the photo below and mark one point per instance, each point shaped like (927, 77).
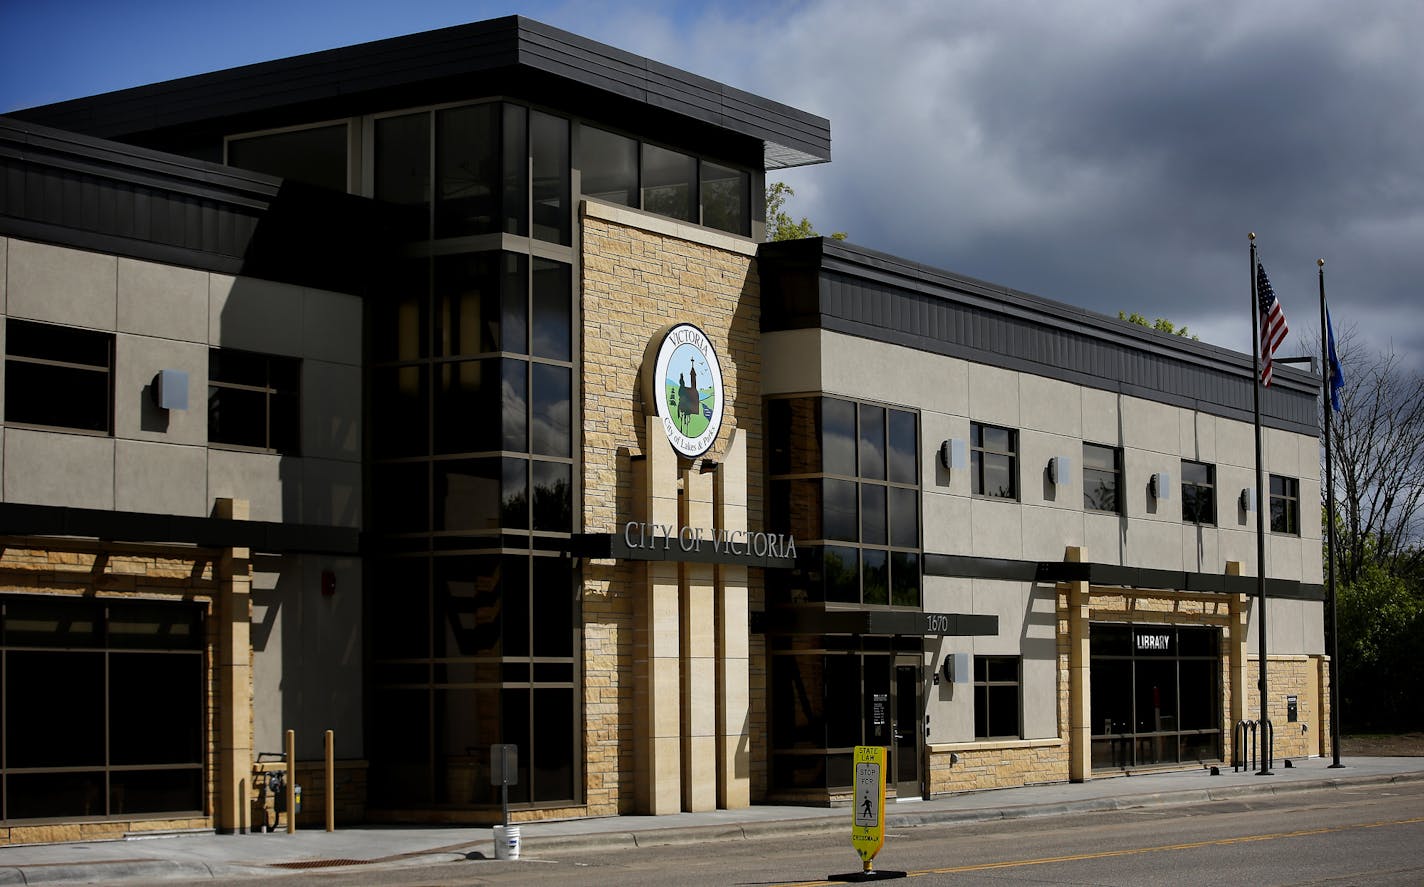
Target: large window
(254, 401)
(1198, 493)
(316, 156)
(845, 483)
(623, 170)
(1285, 505)
(997, 707)
(993, 461)
(103, 708)
(1102, 478)
(58, 377)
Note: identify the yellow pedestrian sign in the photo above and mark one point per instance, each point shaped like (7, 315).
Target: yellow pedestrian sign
(868, 831)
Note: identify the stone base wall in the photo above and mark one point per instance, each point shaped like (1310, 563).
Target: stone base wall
(1308, 679)
(973, 766)
(105, 830)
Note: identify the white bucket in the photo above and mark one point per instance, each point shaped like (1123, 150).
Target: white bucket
(506, 842)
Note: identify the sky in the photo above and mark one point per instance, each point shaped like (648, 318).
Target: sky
(1104, 154)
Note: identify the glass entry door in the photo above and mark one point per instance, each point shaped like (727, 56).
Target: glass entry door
(907, 706)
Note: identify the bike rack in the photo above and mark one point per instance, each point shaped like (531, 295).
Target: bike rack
(1255, 729)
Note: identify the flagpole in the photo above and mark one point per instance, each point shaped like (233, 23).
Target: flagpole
(1266, 737)
(1327, 380)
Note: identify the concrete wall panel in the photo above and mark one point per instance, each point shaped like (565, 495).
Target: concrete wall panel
(271, 483)
(996, 528)
(163, 301)
(60, 285)
(791, 362)
(1152, 426)
(331, 492)
(137, 359)
(161, 478)
(946, 528)
(331, 327)
(255, 315)
(994, 396)
(1050, 405)
(48, 468)
(1102, 417)
(331, 410)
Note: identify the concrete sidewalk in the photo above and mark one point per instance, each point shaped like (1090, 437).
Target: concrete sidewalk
(206, 856)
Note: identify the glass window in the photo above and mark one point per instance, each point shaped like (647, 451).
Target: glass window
(553, 496)
(668, 183)
(905, 579)
(254, 400)
(550, 410)
(480, 304)
(1198, 493)
(904, 517)
(1285, 505)
(553, 311)
(481, 388)
(993, 461)
(516, 171)
(841, 520)
(467, 159)
(903, 447)
(996, 697)
(468, 494)
(838, 436)
(400, 316)
(872, 442)
(876, 577)
(842, 572)
(403, 172)
(609, 165)
(791, 435)
(59, 377)
(725, 198)
(549, 150)
(315, 156)
(1102, 478)
(874, 529)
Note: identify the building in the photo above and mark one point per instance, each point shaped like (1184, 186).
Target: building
(438, 392)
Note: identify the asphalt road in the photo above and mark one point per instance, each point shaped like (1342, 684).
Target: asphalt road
(1367, 835)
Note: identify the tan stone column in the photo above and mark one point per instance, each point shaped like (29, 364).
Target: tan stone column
(1080, 685)
(233, 718)
(699, 649)
(657, 653)
(1238, 636)
(734, 757)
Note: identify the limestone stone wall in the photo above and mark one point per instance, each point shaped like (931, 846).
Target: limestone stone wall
(972, 766)
(1308, 679)
(638, 274)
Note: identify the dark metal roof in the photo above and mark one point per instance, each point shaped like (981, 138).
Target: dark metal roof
(833, 285)
(88, 193)
(435, 66)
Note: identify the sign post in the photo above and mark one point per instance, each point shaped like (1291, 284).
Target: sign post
(867, 832)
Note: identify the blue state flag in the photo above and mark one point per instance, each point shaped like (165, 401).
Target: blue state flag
(1337, 373)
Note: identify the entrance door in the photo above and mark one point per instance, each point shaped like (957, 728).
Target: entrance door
(906, 709)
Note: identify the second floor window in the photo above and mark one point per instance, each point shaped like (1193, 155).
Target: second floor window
(993, 461)
(996, 697)
(58, 376)
(254, 401)
(1285, 505)
(1102, 477)
(1198, 493)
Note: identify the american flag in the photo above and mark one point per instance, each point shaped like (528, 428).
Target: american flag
(1273, 322)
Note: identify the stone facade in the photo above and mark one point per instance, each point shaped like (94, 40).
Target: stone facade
(640, 273)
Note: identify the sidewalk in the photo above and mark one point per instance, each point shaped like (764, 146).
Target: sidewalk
(205, 856)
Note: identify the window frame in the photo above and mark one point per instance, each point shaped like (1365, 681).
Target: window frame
(978, 453)
(269, 391)
(1210, 486)
(1289, 499)
(983, 683)
(14, 325)
(1115, 472)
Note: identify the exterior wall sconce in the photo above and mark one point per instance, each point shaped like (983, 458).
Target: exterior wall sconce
(1161, 485)
(170, 390)
(1248, 500)
(1059, 469)
(954, 455)
(956, 668)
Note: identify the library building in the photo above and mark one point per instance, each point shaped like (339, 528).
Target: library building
(442, 393)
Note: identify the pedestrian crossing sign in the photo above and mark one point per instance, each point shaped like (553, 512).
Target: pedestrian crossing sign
(868, 824)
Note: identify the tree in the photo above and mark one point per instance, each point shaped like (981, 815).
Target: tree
(1378, 443)
(1161, 324)
(780, 225)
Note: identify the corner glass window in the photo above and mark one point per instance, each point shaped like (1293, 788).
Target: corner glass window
(549, 155)
(1285, 505)
(609, 167)
(403, 172)
(468, 197)
(993, 461)
(58, 376)
(1102, 478)
(1198, 493)
(254, 401)
(315, 156)
(669, 183)
(725, 198)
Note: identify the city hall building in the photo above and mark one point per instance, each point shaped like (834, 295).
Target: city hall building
(440, 392)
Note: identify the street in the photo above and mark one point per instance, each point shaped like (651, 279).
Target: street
(1357, 835)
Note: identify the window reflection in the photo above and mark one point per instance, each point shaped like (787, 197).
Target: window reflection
(553, 323)
(725, 198)
(668, 183)
(609, 167)
(551, 411)
(553, 498)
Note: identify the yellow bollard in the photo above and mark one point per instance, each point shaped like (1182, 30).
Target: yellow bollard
(291, 782)
(330, 781)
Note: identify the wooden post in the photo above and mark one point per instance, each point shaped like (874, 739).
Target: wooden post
(291, 782)
(330, 781)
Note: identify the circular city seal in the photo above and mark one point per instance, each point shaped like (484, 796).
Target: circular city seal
(687, 389)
